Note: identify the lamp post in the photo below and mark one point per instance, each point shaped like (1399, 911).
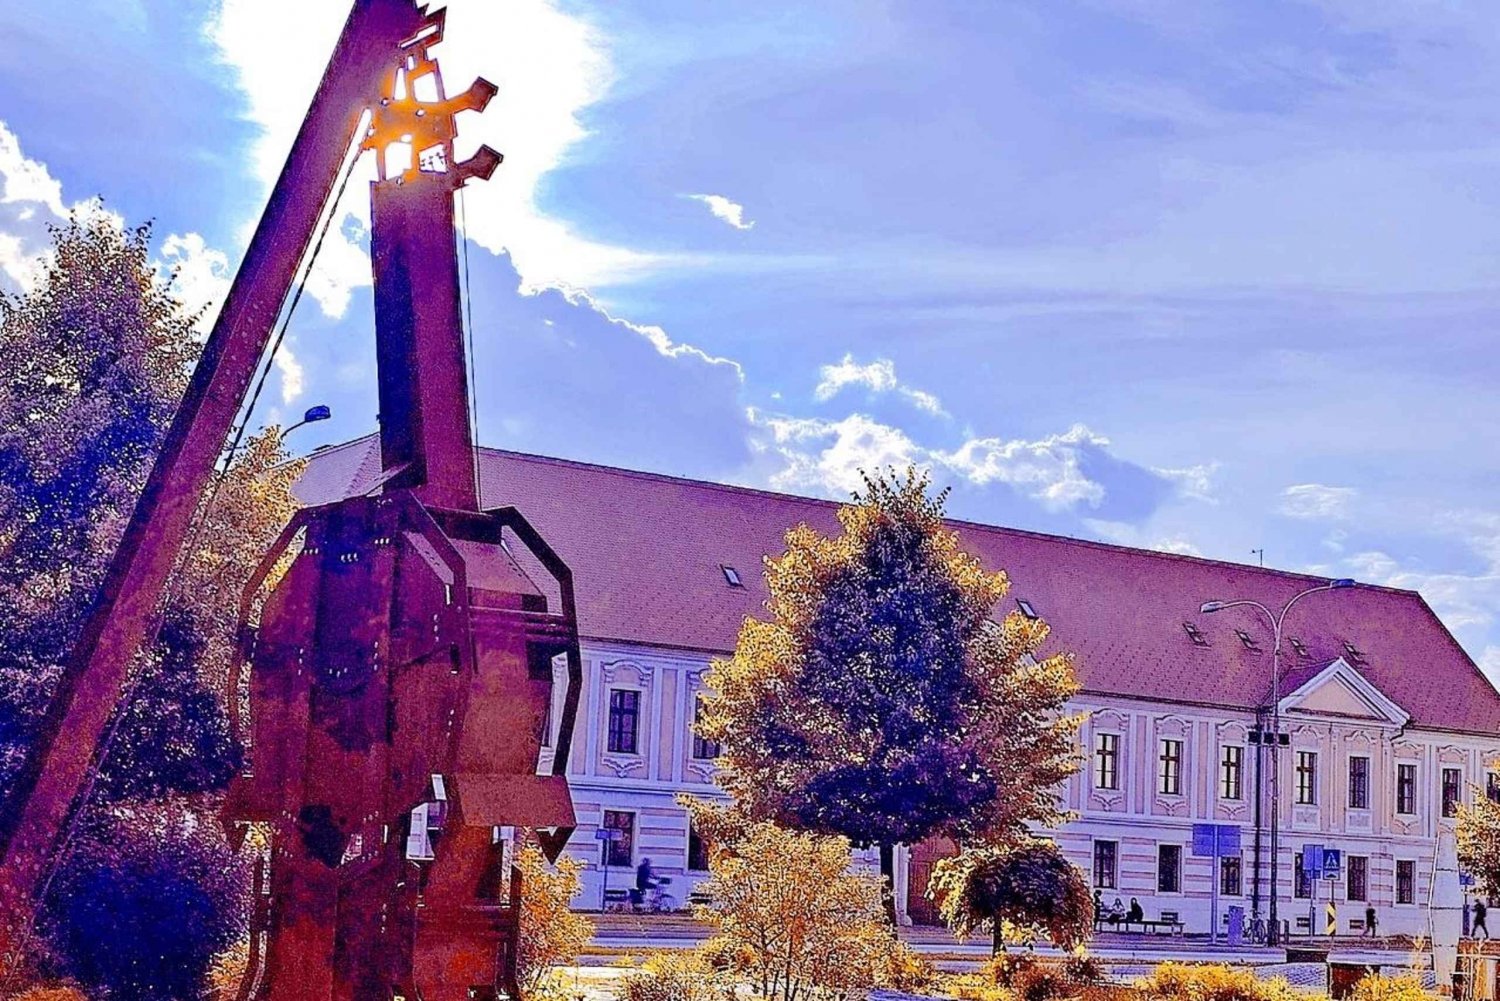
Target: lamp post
(311, 416)
(1273, 932)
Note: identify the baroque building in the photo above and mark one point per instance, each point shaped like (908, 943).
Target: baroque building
(1388, 724)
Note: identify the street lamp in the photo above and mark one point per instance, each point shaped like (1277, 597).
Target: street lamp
(311, 416)
(1273, 933)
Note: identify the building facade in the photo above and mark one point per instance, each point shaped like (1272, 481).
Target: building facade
(1389, 725)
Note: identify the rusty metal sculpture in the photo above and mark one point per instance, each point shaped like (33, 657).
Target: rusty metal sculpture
(401, 670)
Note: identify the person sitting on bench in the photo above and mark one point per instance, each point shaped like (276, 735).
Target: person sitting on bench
(1136, 914)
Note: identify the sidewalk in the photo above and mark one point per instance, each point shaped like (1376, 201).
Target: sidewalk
(623, 934)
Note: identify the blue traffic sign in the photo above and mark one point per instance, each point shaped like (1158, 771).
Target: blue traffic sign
(1210, 840)
(1312, 860)
(1333, 860)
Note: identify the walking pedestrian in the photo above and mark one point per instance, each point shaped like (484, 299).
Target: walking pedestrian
(1369, 921)
(1479, 911)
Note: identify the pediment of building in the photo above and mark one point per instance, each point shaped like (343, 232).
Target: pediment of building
(1339, 691)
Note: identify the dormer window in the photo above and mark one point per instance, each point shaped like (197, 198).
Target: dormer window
(1299, 646)
(1354, 653)
(1247, 641)
(731, 575)
(1026, 608)
(1194, 634)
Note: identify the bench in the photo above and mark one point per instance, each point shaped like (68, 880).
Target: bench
(1304, 924)
(698, 898)
(1170, 922)
(616, 899)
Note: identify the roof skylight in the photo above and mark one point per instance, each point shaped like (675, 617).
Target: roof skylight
(731, 575)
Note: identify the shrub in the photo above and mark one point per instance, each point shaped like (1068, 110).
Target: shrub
(552, 934)
(1211, 982)
(1403, 987)
(55, 992)
(1005, 968)
(1083, 969)
(976, 987)
(145, 900)
(677, 976)
(794, 918)
(906, 970)
(1041, 982)
(1031, 978)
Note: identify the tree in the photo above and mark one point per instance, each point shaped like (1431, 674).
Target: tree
(96, 357)
(552, 934)
(788, 907)
(1479, 842)
(1027, 888)
(880, 702)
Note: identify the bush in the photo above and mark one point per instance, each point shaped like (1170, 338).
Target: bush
(1211, 982)
(145, 900)
(1403, 987)
(677, 976)
(975, 987)
(552, 934)
(56, 992)
(1005, 968)
(1083, 969)
(1042, 982)
(793, 916)
(906, 970)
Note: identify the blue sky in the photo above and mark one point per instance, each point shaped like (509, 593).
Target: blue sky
(1199, 276)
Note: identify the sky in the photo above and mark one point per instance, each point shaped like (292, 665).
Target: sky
(1208, 277)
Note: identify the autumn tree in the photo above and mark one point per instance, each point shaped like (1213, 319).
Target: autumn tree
(97, 354)
(552, 933)
(1479, 842)
(1025, 889)
(880, 701)
(789, 909)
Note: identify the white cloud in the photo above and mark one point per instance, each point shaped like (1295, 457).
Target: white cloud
(28, 182)
(549, 66)
(831, 454)
(1196, 482)
(31, 200)
(724, 210)
(1314, 500)
(1125, 534)
(200, 275)
(1464, 601)
(293, 376)
(1489, 663)
(1048, 470)
(879, 376)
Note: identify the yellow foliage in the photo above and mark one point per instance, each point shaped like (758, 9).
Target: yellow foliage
(55, 992)
(793, 917)
(906, 970)
(1403, 987)
(1479, 841)
(227, 970)
(552, 934)
(1212, 982)
(804, 710)
(677, 976)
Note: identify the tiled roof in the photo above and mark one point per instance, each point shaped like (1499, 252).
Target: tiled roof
(646, 552)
